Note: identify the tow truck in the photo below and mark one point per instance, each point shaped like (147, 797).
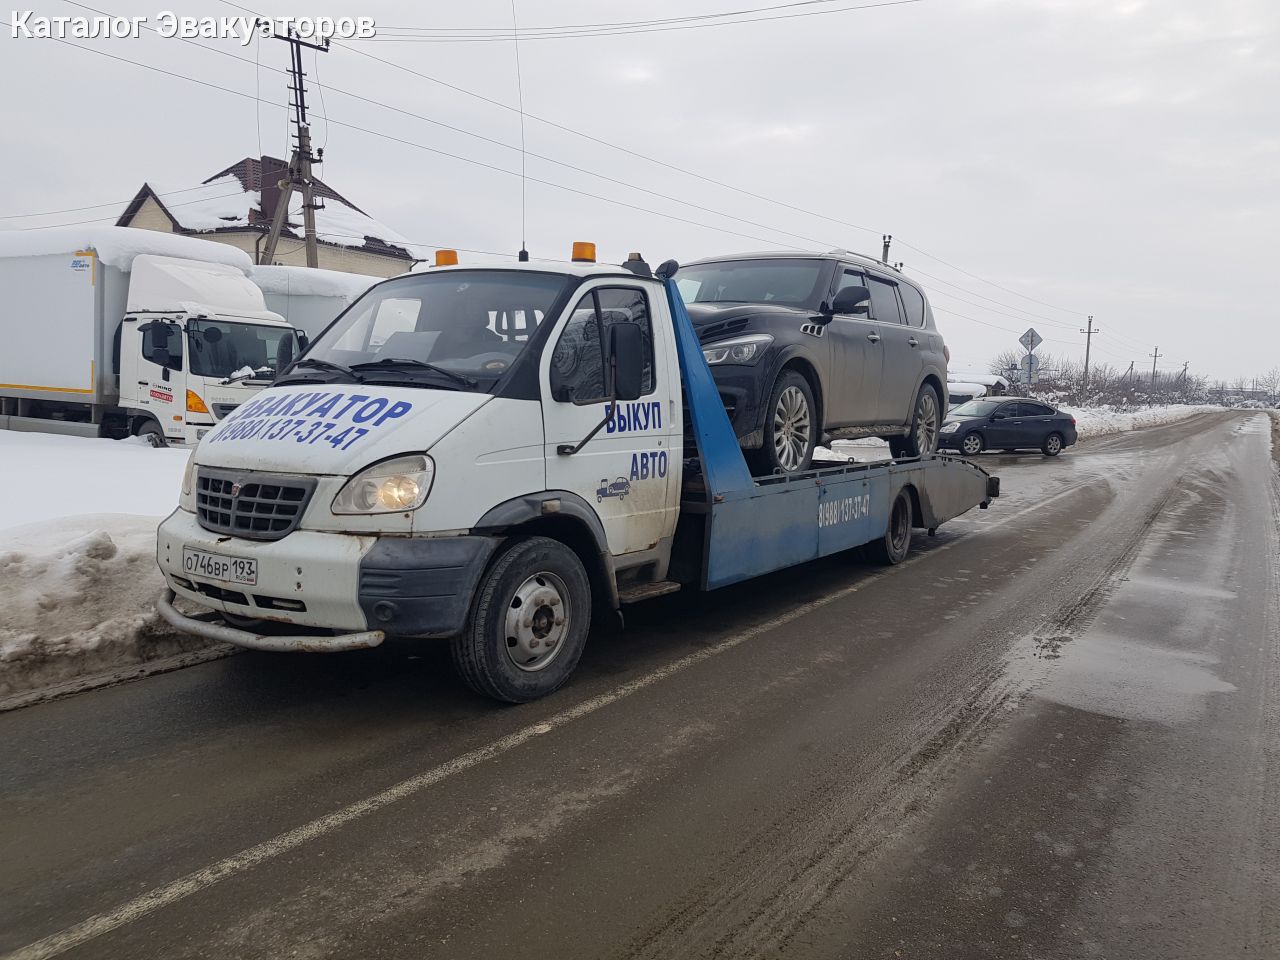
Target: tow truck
(431, 467)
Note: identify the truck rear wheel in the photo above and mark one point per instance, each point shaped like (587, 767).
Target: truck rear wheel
(894, 546)
(528, 623)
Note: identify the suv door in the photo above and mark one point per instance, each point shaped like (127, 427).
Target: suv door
(901, 364)
(854, 385)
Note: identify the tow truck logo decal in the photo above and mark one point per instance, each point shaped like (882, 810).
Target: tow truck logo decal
(336, 417)
(618, 488)
(649, 463)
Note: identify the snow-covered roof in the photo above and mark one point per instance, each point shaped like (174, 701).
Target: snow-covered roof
(970, 376)
(966, 389)
(245, 194)
(117, 246)
(163, 284)
(310, 282)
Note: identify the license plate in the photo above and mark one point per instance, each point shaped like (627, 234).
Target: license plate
(216, 566)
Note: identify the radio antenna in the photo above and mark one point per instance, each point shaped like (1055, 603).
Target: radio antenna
(515, 37)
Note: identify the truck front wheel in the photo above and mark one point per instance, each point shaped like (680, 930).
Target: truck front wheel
(150, 431)
(528, 622)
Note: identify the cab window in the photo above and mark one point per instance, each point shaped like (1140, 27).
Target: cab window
(159, 338)
(578, 373)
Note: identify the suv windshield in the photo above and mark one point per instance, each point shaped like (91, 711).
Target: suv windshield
(223, 348)
(974, 408)
(461, 330)
(791, 282)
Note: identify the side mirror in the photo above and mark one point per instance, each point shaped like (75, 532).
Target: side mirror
(851, 301)
(303, 341)
(211, 335)
(626, 356)
(159, 355)
(998, 416)
(284, 353)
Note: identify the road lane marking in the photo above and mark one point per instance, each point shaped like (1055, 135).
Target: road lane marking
(102, 923)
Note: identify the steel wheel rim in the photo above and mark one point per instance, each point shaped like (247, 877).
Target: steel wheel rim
(899, 527)
(926, 426)
(971, 444)
(1054, 444)
(537, 622)
(791, 428)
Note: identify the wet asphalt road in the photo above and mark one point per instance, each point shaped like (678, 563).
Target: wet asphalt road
(1055, 732)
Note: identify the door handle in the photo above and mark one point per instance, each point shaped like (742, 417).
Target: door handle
(144, 383)
(873, 337)
(914, 342)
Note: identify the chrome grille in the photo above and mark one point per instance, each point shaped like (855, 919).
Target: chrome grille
(246, 503)
(223, 410)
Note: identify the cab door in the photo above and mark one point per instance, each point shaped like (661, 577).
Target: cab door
(151, 365)
(629, 471)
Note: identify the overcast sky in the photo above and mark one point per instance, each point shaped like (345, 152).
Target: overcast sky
(1119, 158)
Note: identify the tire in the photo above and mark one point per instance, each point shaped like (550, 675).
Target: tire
(150, 431)
(926, 421)
(972, 444)
(503, 653)
(1052, 445)
(790, 427)
(894, 546)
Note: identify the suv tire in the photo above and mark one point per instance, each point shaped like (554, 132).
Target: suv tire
(791, 427)
(926, 422)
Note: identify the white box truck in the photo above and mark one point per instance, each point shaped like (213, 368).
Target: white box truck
(113, 332)
(309, 298)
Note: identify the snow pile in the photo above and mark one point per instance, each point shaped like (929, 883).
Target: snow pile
(117, 246)
(1100, 421)
(78, 577)
(219, 203)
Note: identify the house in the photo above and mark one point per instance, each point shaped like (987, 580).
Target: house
(235, 206)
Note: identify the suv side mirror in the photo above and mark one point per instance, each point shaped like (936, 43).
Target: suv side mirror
(626, 357)
(851, 300)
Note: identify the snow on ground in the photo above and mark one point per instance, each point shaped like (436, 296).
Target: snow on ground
(78, 578)
(1100, 421)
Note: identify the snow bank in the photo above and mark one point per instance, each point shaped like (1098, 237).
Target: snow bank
(1100, 421)
(78, 577)
(117, 246)
(77, 601)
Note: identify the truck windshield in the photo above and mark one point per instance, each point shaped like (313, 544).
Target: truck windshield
(791, 282)
(225, 348)
(458, 330)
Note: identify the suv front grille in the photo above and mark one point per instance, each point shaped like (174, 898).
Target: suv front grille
(245, 503)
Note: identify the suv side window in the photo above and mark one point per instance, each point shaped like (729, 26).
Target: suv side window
(577, 363)
(884, 302)
(913, 301)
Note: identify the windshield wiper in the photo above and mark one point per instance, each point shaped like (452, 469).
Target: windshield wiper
(327, 365)
(422, 364)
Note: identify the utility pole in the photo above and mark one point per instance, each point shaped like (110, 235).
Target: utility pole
(300, 163)
(1184, 370)
(1128, 375)
(1155, 358)
(884, 255)
(1088, 342)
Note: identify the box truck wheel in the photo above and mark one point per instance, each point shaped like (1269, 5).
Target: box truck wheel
(150, 431)
(528, 622)
(896, 543)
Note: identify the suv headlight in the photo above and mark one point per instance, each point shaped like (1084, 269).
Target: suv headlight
(392, 486)
(746, 349)
(950, 427)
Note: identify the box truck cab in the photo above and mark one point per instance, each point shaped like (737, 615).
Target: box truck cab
(492, 455)
(195, 342)
(113, 331)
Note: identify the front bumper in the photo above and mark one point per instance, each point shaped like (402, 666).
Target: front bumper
(394, 585)
(305, 643)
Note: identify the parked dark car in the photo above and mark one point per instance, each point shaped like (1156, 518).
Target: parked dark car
(809, 347)
(1002, 423)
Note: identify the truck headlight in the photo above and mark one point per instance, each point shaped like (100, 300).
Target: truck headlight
(392, 486)
(189, 475)
(950, 427)
(746, 349)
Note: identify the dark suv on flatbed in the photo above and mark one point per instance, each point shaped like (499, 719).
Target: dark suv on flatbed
(807, 347)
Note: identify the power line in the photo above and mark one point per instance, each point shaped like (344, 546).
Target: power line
(630, 31)
(81, 223)
(95, 206)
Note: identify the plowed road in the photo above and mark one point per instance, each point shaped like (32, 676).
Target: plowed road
(1054, 732)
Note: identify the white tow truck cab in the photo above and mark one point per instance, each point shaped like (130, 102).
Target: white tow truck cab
(494, 455)
(107, 333)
